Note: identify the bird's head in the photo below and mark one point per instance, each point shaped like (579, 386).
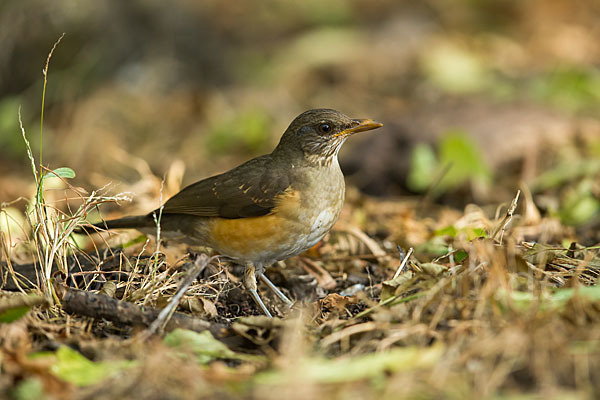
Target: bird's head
(320, 133)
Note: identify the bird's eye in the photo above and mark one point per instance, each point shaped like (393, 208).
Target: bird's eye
(325, 128)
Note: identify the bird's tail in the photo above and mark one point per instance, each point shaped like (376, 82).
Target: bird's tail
(135, 222)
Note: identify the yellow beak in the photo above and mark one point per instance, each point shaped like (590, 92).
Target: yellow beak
(361, 126)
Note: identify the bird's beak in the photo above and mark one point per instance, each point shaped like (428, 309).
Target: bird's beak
(360, 125)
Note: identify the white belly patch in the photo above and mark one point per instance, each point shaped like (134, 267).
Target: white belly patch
(302, 242)
(321, 226)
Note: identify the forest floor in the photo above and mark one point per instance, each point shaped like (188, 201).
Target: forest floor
(465, 261)
(478, 307)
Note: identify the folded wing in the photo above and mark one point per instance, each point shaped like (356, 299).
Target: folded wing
(249, 190)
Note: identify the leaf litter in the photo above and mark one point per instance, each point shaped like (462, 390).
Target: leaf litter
(471, 316)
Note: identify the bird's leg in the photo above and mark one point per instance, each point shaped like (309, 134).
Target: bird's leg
(274, 288)
(250, 285)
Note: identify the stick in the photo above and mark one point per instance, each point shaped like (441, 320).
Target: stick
(120, 312)
(404, 261)
(507, 218)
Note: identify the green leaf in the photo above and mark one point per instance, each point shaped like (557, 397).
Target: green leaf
(590, 293)
(474, 233)
(423, 166)
(367, 366)
(557, 300)
(470, 232)
(136, 240)
(71, 366)
(203, 346)
(446, 231)
(464, 160)
(14, 307)
(14, 314)
(581, 211)
(29, 389)
(436, 246)
(568, 88)
(75, 368)
(460, 256)
(62, 172)
(580, 204)
(565, 172)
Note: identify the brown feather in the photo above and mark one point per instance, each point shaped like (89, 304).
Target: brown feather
(248, 190)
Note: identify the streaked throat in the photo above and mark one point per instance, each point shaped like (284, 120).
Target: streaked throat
(324, 153)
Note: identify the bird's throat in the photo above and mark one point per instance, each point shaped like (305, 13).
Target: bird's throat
(323, 154)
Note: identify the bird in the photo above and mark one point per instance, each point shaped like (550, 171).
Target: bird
(267, 209)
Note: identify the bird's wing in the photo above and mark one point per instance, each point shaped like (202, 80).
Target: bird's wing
(249, 190)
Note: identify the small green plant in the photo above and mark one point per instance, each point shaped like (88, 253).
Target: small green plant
(573, 89)
(458, 161)
(51, 227)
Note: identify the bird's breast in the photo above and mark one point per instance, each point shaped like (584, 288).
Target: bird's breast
(323, 202)
(303, 215)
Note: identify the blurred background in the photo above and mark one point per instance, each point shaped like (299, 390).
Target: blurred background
(476, 96)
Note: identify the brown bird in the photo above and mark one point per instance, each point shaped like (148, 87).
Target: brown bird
(268, 209)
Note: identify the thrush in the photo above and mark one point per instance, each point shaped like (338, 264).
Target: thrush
(268, 209)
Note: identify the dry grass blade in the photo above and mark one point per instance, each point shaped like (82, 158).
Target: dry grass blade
(503, 224)
(323, 277)
(370, 243)
(349, 331)
(403, 263)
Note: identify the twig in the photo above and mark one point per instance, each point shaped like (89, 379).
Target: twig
(507, 217)
(404, 261)
(370, 243)
(347, 332)
(392, 301)
(120, 312)
(324, 279)
(352, 257)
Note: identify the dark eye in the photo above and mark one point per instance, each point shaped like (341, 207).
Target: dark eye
(325, 128)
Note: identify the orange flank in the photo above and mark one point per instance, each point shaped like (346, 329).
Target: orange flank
(257, 237)
(247, 236)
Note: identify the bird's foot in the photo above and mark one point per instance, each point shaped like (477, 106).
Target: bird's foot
(250, 285)
(274, 288)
